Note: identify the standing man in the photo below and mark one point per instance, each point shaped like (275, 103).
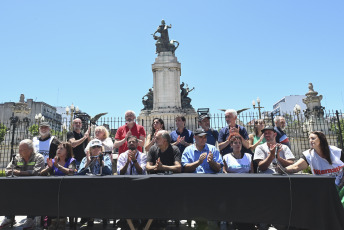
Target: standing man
(78, 140)
(45, 143)
(212, 135)
(132, 161)
(129, 129)
(181, 137)
(224, 146)
(163, 156)
(201, 157)
(265, 154)
(279, 128)
(26, 163)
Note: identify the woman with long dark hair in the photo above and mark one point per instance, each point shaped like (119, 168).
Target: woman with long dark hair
(323, 159)
(157, 125)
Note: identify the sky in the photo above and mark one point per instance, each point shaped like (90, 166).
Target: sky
(98, 54)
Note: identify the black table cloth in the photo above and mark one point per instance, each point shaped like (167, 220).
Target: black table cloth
(255, 198)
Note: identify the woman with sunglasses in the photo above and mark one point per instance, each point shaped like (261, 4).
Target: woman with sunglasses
(257, 137)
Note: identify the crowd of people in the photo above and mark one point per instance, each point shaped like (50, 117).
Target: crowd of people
(231, 150)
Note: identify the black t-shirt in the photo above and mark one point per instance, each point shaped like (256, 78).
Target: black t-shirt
(168, 157)
(78, 151)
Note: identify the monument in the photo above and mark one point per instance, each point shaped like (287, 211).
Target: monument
(315, 112)
(168, 97)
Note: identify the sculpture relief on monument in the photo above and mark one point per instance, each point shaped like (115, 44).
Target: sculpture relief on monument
(167, 97)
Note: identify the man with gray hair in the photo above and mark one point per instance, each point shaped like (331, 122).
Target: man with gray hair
(279, 128)
(45, 143)
(224, 146)
(163, 157)
(26, 163)
(129, 129)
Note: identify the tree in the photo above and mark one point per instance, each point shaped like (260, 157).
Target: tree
(3, 130)
(34, 130)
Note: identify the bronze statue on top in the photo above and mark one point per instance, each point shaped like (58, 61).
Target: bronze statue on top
(163, 43)
(185, 100)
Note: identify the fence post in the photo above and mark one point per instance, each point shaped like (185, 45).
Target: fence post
(272, 119)
(14, 121)
(340, 130)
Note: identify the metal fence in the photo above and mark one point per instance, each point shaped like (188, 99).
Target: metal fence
(297, 129)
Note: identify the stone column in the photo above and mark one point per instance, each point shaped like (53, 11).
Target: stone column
(166, 83)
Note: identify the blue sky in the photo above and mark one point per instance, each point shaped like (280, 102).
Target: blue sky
(98, 54)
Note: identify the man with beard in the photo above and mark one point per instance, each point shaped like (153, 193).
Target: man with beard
(78, 140)
(212, 135)
(163, 156)
(129, 129)
(132, 161)
(281, 136)
(265, 154)
(45, 143)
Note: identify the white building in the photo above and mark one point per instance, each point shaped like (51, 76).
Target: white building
(287, 103)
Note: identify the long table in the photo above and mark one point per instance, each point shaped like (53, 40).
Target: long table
(304, 201)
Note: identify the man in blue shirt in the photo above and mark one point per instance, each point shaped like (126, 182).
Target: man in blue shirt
(201, 157)
(212, 135)
(224, 146)
(181, 137)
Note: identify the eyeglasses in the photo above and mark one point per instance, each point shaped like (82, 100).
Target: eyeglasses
(93, 147)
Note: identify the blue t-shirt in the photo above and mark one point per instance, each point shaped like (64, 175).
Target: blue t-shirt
(189, 138)
(212, 136)
(224, 134)
(191, 154)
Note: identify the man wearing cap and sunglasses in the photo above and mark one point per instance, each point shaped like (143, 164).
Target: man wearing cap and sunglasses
(212, 135)
(201, 157)
(266, 156)
(45, 143)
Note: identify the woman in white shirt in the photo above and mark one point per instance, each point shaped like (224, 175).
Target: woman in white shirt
(237, 162)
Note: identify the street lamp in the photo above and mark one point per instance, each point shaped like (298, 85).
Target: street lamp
(71, 110)
(258, 107)
(39, 118)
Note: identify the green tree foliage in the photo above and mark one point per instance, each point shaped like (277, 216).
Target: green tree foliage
(334, 127)
(34, 130)
(3, 130)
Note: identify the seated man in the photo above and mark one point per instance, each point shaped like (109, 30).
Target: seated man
(201, 157)
(26, 163)
(265, 154)
(95, 162)
(163, 156)
(132, 161)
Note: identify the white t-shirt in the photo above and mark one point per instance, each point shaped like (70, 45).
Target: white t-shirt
(262, 152)
(42, 147)
(234, 165)
(320, 166)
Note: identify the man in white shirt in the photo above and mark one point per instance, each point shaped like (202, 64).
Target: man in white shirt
(265, 154)
(132, 161)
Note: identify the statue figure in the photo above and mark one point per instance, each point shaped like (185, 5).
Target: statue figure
(22, 97)
(148, 103)
(163, 43)
(185, 100)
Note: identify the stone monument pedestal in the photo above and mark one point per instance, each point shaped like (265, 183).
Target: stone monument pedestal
(166, 98)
